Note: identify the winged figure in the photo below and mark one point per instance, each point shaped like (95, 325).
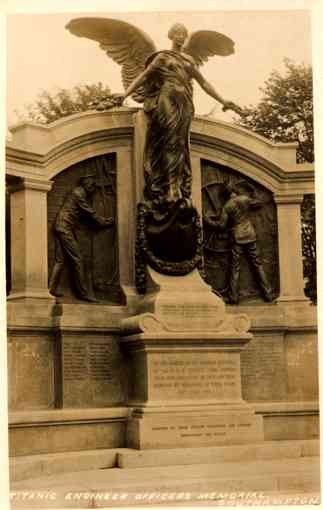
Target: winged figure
(162, 81)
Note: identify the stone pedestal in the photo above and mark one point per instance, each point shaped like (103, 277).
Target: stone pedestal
(185, 364)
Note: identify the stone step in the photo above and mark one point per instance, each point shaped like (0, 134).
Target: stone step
(34, 466)
(172, 484)
(129, 458)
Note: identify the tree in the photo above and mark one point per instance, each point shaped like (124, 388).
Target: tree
(285, 114)
(49, 107)
(309, 246)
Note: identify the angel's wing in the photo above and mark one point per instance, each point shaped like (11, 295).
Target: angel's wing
(124, 43)
(206, 43)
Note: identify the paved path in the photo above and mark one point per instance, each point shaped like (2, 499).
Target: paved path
(237, 483)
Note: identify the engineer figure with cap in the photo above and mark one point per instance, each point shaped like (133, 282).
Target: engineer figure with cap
(74, 207)
(236, 215)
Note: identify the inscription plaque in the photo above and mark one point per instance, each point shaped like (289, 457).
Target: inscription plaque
(100, 361)
(185, 314)
(31, 383)
(263, 369)
(186, 376)
(223, 427)
(74, 361)
(93, 372)
(189, 310)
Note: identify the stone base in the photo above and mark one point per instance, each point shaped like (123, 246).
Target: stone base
(269, 450)
(31, 295)
(55, 464)
(184, 357)
(289, 420)
(66, 430)
(196, 426)
(217, 484)
(49, 464)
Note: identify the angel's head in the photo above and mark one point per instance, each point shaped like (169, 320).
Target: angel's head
(178, 34)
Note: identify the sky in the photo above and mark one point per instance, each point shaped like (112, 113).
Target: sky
(42, 54)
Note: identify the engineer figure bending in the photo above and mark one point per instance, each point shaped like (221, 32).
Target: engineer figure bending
(75, 206)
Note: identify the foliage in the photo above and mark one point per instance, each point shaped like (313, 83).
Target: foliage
(309, 246)
(285, 114)
(50, 106)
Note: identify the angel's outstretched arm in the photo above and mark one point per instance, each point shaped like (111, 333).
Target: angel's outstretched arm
(137, 82)
(207, 87)
(210, 90)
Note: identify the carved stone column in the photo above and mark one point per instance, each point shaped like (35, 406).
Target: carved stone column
(290, 247)
(126, 221)
(29, 264)
(140, 128)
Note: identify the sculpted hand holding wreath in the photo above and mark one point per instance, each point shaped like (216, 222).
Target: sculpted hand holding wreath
(163, 82)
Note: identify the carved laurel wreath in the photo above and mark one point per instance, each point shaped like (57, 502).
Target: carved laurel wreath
(144, 255)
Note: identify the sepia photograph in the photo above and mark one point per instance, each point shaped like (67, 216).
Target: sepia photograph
(159, 212)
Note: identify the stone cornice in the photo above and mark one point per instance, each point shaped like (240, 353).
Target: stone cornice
(304, 173)
(68, 416)
(41, 138)
(48, 149)
(286, 199)
(31, 183)
(58, 155)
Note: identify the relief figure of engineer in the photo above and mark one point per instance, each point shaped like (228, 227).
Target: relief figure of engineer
(76, 205)
(236, 216)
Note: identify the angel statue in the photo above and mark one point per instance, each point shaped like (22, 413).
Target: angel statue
(163, 82)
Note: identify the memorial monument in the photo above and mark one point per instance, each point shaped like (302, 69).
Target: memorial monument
(184, 348)
(119, 336)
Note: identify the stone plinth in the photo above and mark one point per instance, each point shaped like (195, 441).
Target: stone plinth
(185, 363)
(186, 391)
(184, 303)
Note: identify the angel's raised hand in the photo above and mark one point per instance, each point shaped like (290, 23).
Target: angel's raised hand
(229, 105)
(118, 99)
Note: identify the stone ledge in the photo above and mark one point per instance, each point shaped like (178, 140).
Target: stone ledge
(176, 343)
(58, 416)
(186, 406)
(32, 466)
(288, 316)
(277, 317)
(268, 450)
(162, 484)
(286, 408)
(69, 317)
(289, 420)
